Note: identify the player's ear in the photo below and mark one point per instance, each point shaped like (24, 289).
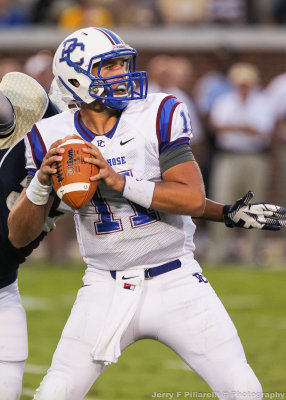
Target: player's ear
(7, 117)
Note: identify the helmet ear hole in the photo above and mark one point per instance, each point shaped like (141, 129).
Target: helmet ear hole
(74, 82)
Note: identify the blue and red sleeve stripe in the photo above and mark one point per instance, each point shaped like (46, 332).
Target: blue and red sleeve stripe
(37, 146)
(164, 124)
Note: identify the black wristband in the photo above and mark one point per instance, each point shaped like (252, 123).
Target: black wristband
(225, 211)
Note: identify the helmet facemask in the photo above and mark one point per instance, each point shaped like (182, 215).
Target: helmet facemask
(117, 90)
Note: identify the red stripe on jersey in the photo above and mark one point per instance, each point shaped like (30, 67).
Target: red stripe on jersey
(171, 120)
(33, 155)
(32, 147)
(40, 139)
(82, 126)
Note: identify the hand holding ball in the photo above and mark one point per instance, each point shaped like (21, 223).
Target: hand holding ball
(71, 181)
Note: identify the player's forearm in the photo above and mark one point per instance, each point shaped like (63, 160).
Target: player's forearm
(179, 198)
(213, 211)
(26, 220)
(180, 192)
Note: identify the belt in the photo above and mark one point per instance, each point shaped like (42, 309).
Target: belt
(155, 271)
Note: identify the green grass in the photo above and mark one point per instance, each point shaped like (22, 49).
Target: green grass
(254, 298)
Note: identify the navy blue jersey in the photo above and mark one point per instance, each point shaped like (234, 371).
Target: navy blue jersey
(12, 178)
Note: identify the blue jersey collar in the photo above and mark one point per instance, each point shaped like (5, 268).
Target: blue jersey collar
(86, 133)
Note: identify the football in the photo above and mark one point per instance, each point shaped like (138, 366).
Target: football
(71, 181)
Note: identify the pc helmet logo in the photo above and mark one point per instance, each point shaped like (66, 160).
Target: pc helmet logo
(69, 47)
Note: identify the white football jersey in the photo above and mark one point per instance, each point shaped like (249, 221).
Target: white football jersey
(113, 233)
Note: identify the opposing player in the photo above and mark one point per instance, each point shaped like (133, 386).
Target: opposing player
(22, 102)
(136, 235)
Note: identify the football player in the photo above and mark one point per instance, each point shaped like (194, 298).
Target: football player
(23, 101)
(136, 235)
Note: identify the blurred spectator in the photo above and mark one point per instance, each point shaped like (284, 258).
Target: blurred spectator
(39, 67)
(207, 89)
(158, 74)
(137, 13)
(174, 75)
(227, 11)
(12, 14)
(276, 90)
(87, 13)
(259, 11)
(243, 122)
(9, 64)
(183, 12)
(279, 11)
(42, 11)
(215, 81)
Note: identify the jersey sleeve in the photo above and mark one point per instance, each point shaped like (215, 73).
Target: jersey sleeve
(173, 125)
(35, 150)
(174, 132)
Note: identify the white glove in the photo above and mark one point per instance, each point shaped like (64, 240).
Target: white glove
(247, 215)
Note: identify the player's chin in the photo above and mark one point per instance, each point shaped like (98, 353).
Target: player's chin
(97, 105)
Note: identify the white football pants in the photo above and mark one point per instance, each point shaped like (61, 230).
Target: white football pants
(13, 342)
(175, 308)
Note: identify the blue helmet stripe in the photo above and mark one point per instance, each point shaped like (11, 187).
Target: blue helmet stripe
(111, 35)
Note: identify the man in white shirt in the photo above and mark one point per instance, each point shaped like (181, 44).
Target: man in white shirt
(243, 122)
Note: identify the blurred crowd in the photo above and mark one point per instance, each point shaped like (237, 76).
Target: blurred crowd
(74, 14)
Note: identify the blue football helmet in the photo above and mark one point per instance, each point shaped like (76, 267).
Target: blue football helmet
(77, 55)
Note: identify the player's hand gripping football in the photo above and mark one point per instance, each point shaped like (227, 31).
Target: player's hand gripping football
(53, 154)
(244, 214)
(106, 173)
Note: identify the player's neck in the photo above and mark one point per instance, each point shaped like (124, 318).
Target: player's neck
(99, 120)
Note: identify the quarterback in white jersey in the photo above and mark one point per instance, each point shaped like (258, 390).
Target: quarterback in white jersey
(136, 234)
(127, 234)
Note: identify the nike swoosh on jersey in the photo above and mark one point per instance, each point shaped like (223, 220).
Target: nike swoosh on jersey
(126, 141)
(129, 277)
